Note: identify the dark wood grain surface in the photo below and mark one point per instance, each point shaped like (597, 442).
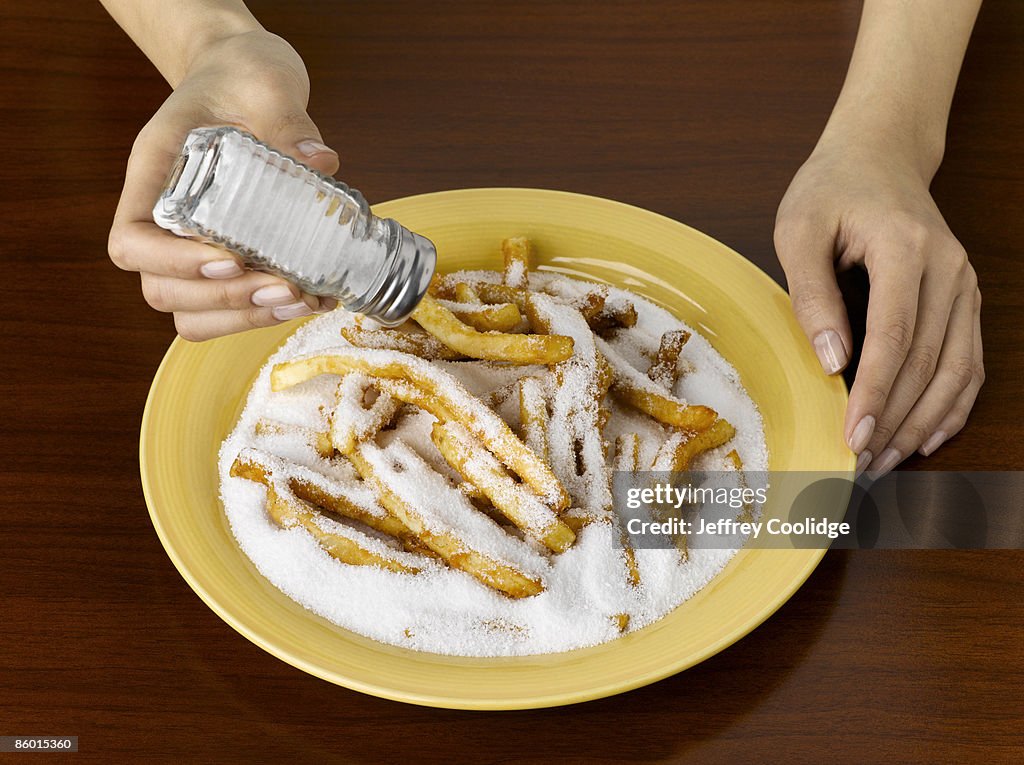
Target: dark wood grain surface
(698, 110)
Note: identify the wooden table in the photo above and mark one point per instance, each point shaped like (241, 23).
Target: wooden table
(701, 111)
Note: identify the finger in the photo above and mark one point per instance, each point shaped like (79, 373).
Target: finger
(144, 246)
(955, 420)
(891, 319)
(806, 254)
(205, 325)
(953, 374)
(290, 130)
(165, 293)
(934, 308)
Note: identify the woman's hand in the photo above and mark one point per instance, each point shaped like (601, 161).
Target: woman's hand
(253, 80)
(921, 364)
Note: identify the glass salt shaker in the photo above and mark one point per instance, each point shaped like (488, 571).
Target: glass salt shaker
(229, 189)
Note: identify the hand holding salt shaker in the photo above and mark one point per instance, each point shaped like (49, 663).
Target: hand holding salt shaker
(229, 189)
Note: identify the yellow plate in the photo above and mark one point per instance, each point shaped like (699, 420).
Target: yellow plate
(199, 390)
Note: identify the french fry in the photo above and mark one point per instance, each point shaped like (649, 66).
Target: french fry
(420, 344)
(533, 415)
(497, 397)
(320, 440)
(664, 370)
(473, 493)
(439, 393)
(502, 317)
(627, 453)
(354, 420)
(575, 443)
(733, 458)
(592, 304)
(495, 346)
(519, 259)
(341, 542)
(627, 458)
(621, 622)
(614, 315)
(487, 292)
(464, 293)
(635, 389)
(348, 545)
(680, 449)
(521, 506)
(348, 501)
(426, 508)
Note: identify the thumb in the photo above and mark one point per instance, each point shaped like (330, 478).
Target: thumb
(806, 254)
(296, 135)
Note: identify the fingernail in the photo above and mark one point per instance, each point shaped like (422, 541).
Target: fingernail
(327, 305)
(309, 148)
(938, 439)
(831, 351)
(273, 294)
(863, 460)
(293, 311)
(220, 269)
(887, 460)
(862, 434)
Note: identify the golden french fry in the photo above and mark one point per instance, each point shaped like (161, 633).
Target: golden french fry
(466, 294)
(575, 443)
(342, 543)
(680, 449)
(519, 259)
(517, 503)
(635, 389)
(694, 418)
(501, 293)
(627, 458)
(606, 375)
(627, 453)
(497, 397)
(473, 493)
(533, 415)
(449, 288)
(502, 317)
(621, 621)
(288, 507)
(441, 516)
(420, 344)
(592, 304)
(734, 459)
(614, 314)
(318, 439)
(495, 346)
(348, 501)
(441, 394)
(352, 419)
(664, 369)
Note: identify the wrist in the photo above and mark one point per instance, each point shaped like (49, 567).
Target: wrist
(207, 32)
(899, 138)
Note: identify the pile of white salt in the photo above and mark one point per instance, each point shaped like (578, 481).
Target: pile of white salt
(446, 611)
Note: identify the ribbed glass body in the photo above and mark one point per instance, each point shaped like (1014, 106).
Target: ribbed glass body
(231, 190)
